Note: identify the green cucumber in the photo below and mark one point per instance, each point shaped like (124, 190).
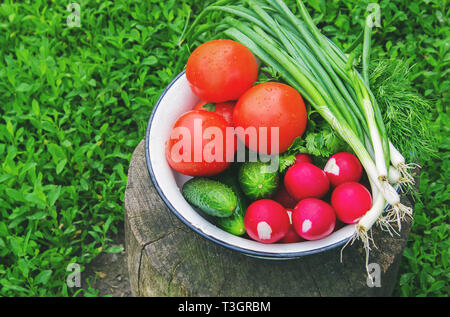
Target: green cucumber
(257, 180)
(235, 223)
(211, 197)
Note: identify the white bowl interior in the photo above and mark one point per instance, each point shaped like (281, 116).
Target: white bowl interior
(176, 100)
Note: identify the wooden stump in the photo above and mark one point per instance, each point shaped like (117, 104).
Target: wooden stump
(166, 258)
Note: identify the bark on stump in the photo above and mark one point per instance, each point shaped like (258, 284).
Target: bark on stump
(166, 258)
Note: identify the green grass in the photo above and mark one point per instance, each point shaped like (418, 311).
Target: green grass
(75, 103)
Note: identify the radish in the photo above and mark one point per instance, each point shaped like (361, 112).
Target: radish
(342, 168)
(351, 201)
(313, 219)
(304, 180)
(283, 197)
(303, 158)
(291, 235)
(266, 221)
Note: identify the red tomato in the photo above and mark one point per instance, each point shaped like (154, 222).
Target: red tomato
(270, 105)
(225, 109)
(221, 70)
(202, 143)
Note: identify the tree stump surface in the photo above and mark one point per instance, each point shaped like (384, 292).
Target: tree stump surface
(166, 258)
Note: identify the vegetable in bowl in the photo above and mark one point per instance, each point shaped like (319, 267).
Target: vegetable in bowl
(346, 111)
(257, 180)
(234, 70)
(296, 49)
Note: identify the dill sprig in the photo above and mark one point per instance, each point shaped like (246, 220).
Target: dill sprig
(407, 114)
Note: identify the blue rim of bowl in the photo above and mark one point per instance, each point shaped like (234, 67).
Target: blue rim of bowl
(259, 254)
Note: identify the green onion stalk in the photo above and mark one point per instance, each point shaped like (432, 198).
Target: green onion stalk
(394, 176)
(394, 157)
(323, 74)
(392, 154)
(369, 103)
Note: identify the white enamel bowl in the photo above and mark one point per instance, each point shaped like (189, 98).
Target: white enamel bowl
(174, 101)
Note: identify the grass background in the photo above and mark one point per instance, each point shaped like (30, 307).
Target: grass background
(74, 103)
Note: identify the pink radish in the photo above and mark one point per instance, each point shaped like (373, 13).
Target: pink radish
(351, 201)
(291, 235)
(283, 197)
(342, 168)
(313, 219)
(305, 180)
(303, 158)
(266, 221)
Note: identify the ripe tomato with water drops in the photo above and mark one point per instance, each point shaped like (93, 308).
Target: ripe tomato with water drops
(202, 143)
(221, 70)
(225, 109)
(266, 108)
